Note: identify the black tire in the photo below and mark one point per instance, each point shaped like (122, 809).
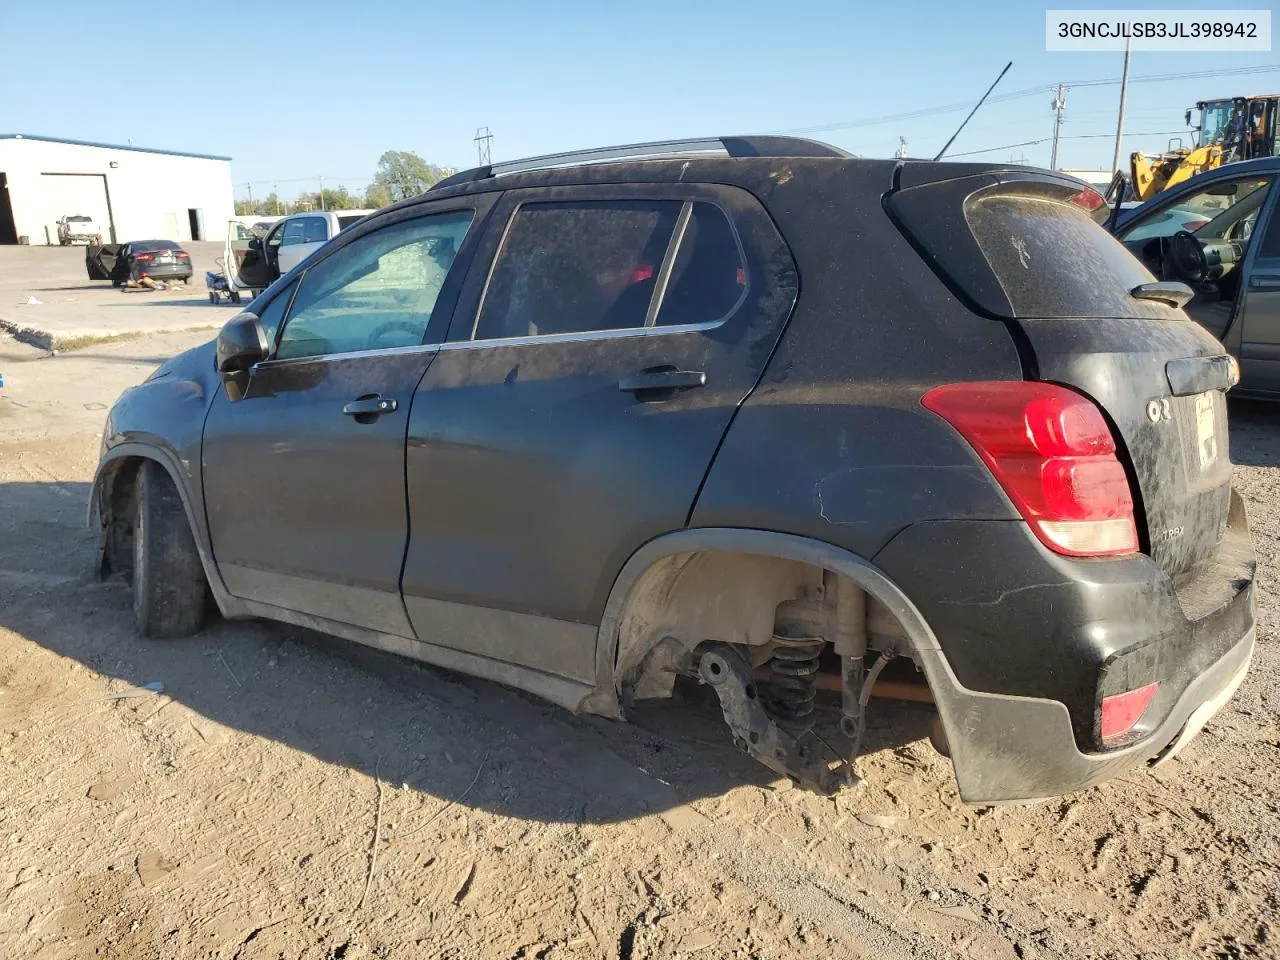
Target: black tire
(169, 586)
(235, 296)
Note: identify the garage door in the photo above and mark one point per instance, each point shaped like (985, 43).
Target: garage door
(74, 194)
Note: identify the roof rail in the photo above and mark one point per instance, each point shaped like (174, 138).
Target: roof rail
(764, 146)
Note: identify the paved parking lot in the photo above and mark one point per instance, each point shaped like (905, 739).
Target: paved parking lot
(287, 795)
(73, 310)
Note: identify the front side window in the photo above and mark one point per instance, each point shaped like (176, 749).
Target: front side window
(578, 267)
(295, 231)
(314, 230)
(377, 292)
(271, 315)
(1195, 210)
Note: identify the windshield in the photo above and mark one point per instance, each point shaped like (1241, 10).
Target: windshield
(1214, 121)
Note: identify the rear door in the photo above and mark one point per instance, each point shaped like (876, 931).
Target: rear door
(1026, 248)
(589, 376)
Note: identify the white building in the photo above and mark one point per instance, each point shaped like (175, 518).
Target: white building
(133, 193)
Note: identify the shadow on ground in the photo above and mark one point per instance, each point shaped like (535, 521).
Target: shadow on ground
(1255, 432)
(441, 733)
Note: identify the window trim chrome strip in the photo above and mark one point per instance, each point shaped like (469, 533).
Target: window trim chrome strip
(617, 334)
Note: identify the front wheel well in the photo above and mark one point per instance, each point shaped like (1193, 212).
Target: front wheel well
(116, 492)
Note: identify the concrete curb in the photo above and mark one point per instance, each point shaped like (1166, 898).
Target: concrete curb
(45, 339)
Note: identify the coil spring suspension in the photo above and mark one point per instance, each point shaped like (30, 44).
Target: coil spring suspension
(793, 667)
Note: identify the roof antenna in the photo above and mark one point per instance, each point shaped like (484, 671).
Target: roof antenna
(974, 110)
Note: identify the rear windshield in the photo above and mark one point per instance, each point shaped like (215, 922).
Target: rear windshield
(1025, 248)
(1052, 260)
(344, 222)
(154, 245)
(77, 219)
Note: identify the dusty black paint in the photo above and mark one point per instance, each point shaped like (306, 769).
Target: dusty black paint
(517, 478)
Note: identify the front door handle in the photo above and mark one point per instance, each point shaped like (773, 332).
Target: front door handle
(1264, 283)
(666, 378)
(371, 407)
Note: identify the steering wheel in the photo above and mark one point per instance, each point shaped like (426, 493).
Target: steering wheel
(392, 326)
(1188, 258)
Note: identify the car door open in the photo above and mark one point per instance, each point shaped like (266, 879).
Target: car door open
(304, 468)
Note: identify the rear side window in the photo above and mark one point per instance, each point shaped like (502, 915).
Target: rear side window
(344, 222)
(1052, 260)
(578, 267)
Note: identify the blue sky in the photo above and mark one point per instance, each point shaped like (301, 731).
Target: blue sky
(297, 90)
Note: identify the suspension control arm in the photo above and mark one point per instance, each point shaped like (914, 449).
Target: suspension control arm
(800, 757)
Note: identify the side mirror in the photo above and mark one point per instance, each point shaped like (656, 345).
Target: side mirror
(255, 243)
(1188, 117)
(241, 344)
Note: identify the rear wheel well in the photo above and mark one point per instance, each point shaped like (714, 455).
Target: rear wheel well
(684, 600)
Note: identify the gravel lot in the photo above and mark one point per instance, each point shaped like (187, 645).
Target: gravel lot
(294, 796)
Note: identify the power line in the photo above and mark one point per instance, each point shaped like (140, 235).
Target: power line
(1073, 136)
(1027, 92)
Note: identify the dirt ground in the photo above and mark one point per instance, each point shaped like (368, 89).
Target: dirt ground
(292, 796)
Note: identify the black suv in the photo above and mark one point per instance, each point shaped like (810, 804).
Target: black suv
(745, 410)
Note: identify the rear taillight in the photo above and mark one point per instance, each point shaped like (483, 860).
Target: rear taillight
(1053, 453)
(1122, 711)
(142, 257)
(182, 255)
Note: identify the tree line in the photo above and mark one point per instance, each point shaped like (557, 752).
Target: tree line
(401, 174)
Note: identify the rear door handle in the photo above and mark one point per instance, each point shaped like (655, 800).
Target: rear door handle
(1264, 283)
(373, 406)
(663, 378)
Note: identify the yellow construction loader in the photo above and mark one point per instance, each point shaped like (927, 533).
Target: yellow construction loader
(1237, 128)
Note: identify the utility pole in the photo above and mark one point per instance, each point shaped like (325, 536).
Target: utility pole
(484, 144)
(321, 179)
(1124, 89)
(1059, 104)
(275, 188)
(901, 152)
(250, 194)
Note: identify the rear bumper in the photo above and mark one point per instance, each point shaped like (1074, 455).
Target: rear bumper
(1026, 640)
(164, 271)
(1021, 748)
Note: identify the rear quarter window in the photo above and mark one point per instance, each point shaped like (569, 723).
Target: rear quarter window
(1052, 260)
(1024, 248)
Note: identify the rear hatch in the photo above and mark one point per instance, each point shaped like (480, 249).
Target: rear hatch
(1026, 248)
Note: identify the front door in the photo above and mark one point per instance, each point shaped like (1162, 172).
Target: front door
(304, 469)
(244, 257)
(1260, 309)
(587, 381)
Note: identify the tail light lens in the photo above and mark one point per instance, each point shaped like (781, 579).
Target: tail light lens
(1121, 712)
(142, 257)
(182, 255)
(1054, 455)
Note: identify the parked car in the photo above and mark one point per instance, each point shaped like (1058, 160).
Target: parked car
(1219, 233)
(586, 428)
(78, 229)
(157, 259)
(122, 262)
(254, 262)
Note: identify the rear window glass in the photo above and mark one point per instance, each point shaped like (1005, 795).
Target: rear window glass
(144, 245)
(1052, 260)
(344, 222)
(575, 267)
